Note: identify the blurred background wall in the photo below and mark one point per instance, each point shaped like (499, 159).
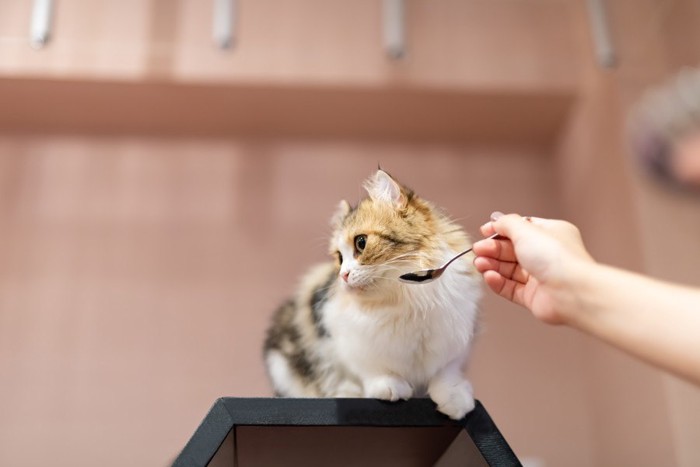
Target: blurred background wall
(159, 197)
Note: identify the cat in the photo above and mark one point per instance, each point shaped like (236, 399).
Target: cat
(354, 330)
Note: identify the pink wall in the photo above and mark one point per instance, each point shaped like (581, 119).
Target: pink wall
(138, 276)
(668, 222)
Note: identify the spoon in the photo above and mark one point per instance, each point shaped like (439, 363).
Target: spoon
(429, 275)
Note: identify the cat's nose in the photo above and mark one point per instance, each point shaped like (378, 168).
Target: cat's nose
(345, 275)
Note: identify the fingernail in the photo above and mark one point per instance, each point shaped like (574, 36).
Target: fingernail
(496, 215)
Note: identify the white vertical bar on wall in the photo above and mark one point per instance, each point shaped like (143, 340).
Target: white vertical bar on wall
(40, 26)
(224, 20)
(600, 30)
(394, 28)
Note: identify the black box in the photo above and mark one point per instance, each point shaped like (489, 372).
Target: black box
(264, 432)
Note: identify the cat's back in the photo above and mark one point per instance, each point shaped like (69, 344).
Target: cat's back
(295, 337)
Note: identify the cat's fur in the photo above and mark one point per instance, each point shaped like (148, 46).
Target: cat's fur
(354, 330)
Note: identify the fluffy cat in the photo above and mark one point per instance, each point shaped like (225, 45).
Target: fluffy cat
(354, 330)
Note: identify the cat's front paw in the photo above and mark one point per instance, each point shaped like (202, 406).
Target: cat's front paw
(455, 401)
(388, 388)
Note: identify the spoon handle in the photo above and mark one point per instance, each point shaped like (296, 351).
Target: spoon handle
(466, 251)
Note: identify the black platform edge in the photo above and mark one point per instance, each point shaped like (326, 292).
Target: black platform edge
(489, 441)
(207, 438)
(228, 412)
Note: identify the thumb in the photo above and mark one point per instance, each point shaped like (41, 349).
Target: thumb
(512, 226)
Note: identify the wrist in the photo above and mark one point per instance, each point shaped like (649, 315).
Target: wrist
(578, 293)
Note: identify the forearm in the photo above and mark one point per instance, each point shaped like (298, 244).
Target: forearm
(650, 319)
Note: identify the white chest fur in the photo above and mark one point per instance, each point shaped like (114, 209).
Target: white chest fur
(431, 326)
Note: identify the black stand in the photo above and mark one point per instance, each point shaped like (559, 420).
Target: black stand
(342, 432)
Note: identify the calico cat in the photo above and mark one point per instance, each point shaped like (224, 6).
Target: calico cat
(354, 330)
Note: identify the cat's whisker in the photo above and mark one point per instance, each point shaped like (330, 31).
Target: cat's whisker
(415, 255)
(409, 254)
(379, 277)
(385, 279)
(327, 288)
(452, 231)
(407, 259)
(460, 219)
(403, 263)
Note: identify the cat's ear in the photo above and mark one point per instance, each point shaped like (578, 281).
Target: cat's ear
(384, 189)
(340, 214)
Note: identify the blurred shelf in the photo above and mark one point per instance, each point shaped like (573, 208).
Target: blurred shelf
(486, 116)
(343, 432)
(509, 44)
(476, 71)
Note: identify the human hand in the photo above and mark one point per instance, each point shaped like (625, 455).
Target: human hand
(537, 263)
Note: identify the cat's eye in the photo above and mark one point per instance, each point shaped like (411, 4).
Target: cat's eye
(360, 243)
(340, 257)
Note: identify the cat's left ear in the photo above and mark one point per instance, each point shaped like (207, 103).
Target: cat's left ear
(384, 189)
(341, 212)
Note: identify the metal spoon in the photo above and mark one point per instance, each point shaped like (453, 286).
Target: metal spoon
(429, 275)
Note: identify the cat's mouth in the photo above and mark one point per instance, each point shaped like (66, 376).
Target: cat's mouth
(355, 288)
